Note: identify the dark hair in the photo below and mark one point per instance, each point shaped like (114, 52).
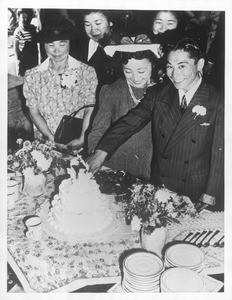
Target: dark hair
(122, 58)
(104, 12)
(176, 14)
(189, 45)
(28, 11)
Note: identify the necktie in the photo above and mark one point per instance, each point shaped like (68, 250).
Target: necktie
(183, 104)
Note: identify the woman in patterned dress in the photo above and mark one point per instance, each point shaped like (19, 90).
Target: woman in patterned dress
(60, 85)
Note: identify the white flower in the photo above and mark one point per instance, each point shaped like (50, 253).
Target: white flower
(199, 110)
(163, 195)
(69, 80)
(41, 160)
(27, 145)
(16, 164)
(19, 141)
(135, 223)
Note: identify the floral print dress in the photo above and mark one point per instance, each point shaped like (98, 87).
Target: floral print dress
(55, 97)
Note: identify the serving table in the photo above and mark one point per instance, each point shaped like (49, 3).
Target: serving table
(59, 265)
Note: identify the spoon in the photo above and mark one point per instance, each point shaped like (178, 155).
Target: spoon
(221, 245)
(201, 242)
(217, 244)
(207, 244)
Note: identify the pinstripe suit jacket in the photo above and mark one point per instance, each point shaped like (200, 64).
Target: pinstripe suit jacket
(188, 149)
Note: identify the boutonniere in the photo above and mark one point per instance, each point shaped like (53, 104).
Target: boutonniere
(68, 79)
(199, 110)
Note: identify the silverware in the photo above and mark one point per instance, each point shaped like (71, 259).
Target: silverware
(201, 242)
(195, 235)
(207, 243)
(222, 245)
(203, 232)
(218, 244)
(187, 236)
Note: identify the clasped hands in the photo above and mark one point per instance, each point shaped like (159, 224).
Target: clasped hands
(74, 147)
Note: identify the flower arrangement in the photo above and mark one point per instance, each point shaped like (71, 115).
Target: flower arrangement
(32, 158)
(199, 110)
(152, 207)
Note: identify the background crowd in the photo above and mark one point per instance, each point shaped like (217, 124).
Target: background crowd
(207, 26)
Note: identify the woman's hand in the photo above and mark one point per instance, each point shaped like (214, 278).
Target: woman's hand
(96, 160)
(61, 147)
(75, 144)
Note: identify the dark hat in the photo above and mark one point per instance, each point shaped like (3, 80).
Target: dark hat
(56, 30)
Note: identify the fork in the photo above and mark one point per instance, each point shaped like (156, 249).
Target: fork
(201, 242)
(195, 235)
(187, 236)
(207, 244)
(203, 232)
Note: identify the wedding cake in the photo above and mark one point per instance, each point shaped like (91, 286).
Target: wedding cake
(79, 208)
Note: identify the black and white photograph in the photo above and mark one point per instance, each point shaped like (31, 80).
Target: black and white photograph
(115, 150)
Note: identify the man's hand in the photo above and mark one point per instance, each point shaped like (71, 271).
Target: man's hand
(96, 160)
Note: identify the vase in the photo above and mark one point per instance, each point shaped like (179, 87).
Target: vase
(155, 241)
(35, 185)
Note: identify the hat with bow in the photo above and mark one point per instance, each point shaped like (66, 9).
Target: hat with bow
(56, 30)
(133, 44)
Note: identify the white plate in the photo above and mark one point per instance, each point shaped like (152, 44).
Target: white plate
(143, 264)
(141, 280)
(141, 283)
(139, 289)
(184, 255)
(181, 280)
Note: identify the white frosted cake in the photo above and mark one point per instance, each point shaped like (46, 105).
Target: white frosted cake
(79, 208)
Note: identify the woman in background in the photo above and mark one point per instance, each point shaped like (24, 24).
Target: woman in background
(138, 69)
(90, 48)
(162, 21)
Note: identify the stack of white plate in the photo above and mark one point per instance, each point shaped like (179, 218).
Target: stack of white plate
(181, 280)
(142, 272)
(186, 256)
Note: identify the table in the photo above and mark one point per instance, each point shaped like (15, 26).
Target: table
(51, 265)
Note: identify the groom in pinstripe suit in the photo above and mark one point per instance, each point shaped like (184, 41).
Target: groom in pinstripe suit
(188, 134)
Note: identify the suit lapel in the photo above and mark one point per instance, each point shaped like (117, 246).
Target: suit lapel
(169, 110)
(189, 120)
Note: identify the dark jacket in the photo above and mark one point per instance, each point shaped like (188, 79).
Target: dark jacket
(188, 150)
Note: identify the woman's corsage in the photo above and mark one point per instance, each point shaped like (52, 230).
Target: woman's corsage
(199, 110)
(68, 79)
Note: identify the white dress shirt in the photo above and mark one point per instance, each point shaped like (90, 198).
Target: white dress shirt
(92, 48)
(189, 94)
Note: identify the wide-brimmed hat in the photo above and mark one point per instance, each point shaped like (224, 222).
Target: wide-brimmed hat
(56, 30)
(133, 44)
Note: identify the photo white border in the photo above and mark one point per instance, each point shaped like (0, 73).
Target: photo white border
(201, 5)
